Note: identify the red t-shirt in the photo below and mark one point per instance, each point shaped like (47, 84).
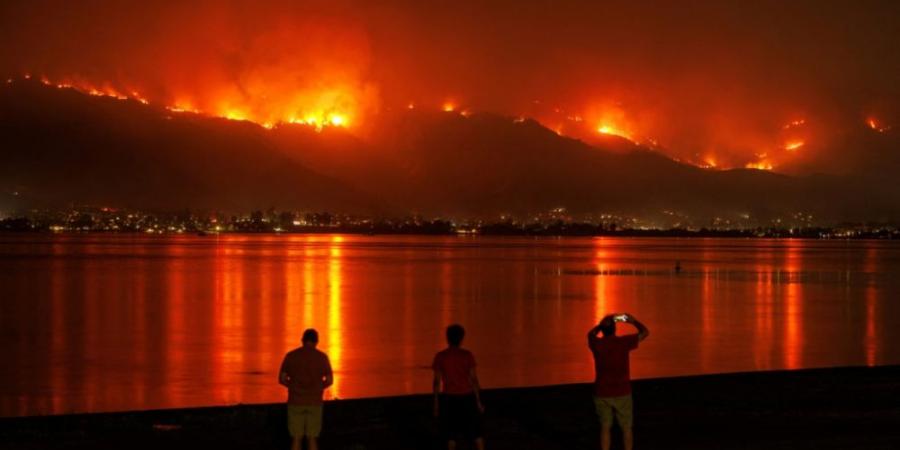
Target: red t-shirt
(306, 369)
(454, 364)
(611, 365)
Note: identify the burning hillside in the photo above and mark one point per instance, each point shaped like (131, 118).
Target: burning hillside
(717, 98)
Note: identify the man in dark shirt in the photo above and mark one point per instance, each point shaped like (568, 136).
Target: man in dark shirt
(612, 384)
(459, 408)
(306, 372)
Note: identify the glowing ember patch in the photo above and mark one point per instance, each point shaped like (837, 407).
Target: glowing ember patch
(761, 165)
(710, 163)
(319, 122)
(793, 145)
(183, 106)
(449, 107)
(178, 109)
(139, 98)
(338, 120)
(411, 106)
(795, 123)
(875, 125)
(233, 114)
(465, 113)
(612, 131)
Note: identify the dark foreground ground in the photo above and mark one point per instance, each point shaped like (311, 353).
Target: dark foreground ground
(846, 408)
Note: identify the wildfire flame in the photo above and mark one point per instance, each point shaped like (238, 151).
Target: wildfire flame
(328, 108)
(610, 119)
(760, 165)
(877, 126)
(613, 131)
(338, 106)
(795, 124)
(709, 163)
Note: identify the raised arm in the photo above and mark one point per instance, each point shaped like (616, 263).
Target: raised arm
(643, 331)
(592, 334)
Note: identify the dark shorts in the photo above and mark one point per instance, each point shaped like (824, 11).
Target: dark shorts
(460, 417)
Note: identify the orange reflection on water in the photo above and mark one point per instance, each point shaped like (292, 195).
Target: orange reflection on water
(793, 352)
(336, 329)
(871, 295)
(707, 305)
(175, 311)
(228, 324)
(296, 279)
(99, 323)
(58, 323)
(309, 291)
(601, 305)
(763, 317)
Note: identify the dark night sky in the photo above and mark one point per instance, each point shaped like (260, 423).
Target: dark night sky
(706, 80)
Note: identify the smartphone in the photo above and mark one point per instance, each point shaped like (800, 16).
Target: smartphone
(621, 318)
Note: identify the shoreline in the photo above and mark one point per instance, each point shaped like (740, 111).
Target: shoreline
(840, 408)
(786, 235)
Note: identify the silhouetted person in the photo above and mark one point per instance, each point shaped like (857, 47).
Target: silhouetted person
(612, 384)
(306, 372)
(458, 405)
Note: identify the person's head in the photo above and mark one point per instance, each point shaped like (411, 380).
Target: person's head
(455, 335)
(310, 337)
(608, 326)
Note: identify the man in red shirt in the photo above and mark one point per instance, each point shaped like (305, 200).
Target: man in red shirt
(306, 372)
(459, 408)
(612, 384)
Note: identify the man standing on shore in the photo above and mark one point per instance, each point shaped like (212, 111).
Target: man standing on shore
(459, 408)
(306, 373)
(612, 384)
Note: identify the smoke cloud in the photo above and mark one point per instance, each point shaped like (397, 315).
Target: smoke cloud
(724, 84)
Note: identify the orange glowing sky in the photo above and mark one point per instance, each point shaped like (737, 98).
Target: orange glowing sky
(767, 86)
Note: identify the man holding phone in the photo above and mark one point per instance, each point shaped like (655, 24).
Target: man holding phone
(612, 383)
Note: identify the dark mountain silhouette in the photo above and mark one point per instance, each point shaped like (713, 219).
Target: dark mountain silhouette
(62, 146)
(487, 165)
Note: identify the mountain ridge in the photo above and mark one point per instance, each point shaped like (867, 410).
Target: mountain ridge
(67, 147)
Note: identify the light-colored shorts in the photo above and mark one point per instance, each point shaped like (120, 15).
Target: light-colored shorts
(620, 407)
(305, 420)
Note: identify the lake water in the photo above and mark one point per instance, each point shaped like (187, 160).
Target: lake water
(127, 322)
